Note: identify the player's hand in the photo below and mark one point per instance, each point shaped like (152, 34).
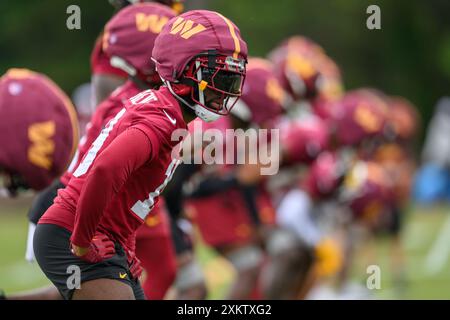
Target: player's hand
(135, 268)
(262, 235)
(101, 248)
(248, 174)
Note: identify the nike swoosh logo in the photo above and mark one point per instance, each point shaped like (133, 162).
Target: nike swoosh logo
(174, 121)
(122, 275)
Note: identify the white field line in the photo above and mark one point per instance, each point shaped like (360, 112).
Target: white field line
(438, 255)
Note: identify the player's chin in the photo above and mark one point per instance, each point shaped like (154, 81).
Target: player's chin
(216, 105)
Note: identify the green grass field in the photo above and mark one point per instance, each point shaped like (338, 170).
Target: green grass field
(424, 233)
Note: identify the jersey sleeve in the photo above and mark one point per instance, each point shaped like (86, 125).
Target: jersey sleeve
(104, 112)
(127, 153)
(156, 127)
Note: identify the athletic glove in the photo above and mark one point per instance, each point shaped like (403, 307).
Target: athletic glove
(101, 248)
(135, 267)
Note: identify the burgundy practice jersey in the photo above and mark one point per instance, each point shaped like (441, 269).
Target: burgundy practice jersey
(156, 223)
(223, 217)
(104, 112)
(120, 178)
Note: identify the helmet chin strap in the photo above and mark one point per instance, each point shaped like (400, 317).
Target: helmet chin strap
(205, 115)
(121, 64)
(201, 112)
(201, 95)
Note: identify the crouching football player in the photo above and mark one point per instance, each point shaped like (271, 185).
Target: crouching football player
(90, 229)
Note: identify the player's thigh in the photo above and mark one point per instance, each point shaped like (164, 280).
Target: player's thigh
(104, 289)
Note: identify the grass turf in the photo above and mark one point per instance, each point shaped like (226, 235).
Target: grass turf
(422, 228)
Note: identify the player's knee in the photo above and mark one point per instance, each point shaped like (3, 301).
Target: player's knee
(246, 259)
(281, 241)
(285, 244)
(190, 275)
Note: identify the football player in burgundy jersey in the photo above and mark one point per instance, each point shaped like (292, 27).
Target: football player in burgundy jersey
(101, 65)
(129, 44)
(38, 131)
(398, 157)
(106, 77)
(189, 283)
(301, 140)
(231, 207)
(357, 187)
(127, 39)
(292, 256)
(201, 59)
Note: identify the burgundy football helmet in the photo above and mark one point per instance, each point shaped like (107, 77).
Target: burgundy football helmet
(129, 38)
(201, 57)
(304, 70)
(324, 176)
(263, 99)
(38, 129)
(404, 119)
(360, 115)
(367, 191)
(303, 140)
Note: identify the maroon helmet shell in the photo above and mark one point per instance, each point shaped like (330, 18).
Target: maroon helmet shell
(295, 68)
(38, 128)
(263, 98)
(368, 190)
(323, 177)
(193, 33)
(359, 115)
(303, 140)
(404, 118)
(304, 70)
(131, 34)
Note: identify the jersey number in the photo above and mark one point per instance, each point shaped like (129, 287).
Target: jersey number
(98, 143)
(143, 208)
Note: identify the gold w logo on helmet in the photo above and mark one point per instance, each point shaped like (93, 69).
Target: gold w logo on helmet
(274, 91)
(367, 119)
(42, 147)
(152, 22)
(186, 28)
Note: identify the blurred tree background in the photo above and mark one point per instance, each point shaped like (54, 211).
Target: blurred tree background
(409, 56)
